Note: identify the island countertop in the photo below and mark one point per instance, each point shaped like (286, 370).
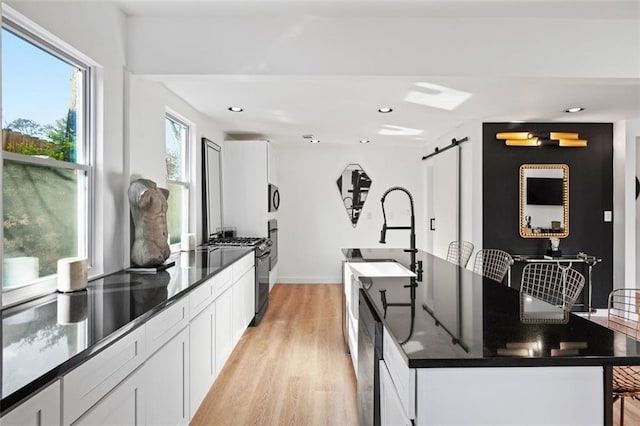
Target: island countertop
(465, 320)
(47, 337)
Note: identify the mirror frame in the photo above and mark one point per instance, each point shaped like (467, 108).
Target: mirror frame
(352, 219)
(565, 201)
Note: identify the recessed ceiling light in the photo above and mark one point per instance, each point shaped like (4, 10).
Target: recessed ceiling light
(365, 141)
(385, 110)
(574, 109)
(235, 109)
(315, 141)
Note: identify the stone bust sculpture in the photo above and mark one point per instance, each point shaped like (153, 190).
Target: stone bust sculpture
(148, 205)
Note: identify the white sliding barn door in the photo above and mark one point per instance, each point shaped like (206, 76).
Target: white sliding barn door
(443, 189)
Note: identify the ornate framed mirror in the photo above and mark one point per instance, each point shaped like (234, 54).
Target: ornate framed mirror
(353, 185)
(544, 201)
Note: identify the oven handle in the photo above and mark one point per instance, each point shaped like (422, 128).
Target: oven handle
(265, 255)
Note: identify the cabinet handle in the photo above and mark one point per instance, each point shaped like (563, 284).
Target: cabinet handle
(431, 226)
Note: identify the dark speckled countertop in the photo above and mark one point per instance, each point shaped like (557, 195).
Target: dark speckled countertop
(45, 338)
(465, 320)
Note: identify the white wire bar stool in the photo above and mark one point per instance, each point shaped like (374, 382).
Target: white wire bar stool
(552, 283)
(492, 263)
(459, 252)
(622, 316)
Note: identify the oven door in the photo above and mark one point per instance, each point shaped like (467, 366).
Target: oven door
(369, 355)
(262, 286)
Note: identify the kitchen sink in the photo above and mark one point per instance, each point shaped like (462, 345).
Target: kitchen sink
(380, 269)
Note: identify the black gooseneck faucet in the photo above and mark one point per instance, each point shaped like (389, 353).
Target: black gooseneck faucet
(416, 268)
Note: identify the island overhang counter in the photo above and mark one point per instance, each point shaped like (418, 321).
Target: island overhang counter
(474, 356)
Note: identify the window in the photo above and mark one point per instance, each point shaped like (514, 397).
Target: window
(177, 159)
(46, 170)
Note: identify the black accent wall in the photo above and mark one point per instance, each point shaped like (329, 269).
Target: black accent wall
(590, 194)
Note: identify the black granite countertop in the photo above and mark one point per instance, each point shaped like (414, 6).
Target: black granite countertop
(45, 338)
(465, 320)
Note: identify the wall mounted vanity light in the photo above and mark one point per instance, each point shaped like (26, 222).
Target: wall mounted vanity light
(562, 139)
(518, 139)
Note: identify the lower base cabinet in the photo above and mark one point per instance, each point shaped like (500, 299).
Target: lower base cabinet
(42, 409)
(124, 405)
(202, 364)
(223, 331)
(127, 384)
(167, 380)
(391, 409)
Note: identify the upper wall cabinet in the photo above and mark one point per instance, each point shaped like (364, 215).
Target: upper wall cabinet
(544, 200)
(248, 169)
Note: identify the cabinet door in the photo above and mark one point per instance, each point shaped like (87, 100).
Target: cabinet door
(243, 304)
(223, 336)
(167, 380)
(41, 409)
(391, 409)
(122, 406)
(201, 357)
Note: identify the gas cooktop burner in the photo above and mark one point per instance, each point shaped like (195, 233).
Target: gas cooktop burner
(237, 241)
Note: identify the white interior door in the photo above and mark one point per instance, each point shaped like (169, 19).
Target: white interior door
(443, 200)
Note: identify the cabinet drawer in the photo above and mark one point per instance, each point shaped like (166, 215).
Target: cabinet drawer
(404, 378)
(41, 409)
(165, 325)
(92, 380)
(200, 298)
(221, 282)
(240, 267)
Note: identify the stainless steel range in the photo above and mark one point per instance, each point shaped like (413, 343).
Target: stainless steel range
(262, 248)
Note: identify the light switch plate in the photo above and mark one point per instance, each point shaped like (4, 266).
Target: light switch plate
(608, 216)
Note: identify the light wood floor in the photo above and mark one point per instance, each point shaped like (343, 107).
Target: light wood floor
(291, 369)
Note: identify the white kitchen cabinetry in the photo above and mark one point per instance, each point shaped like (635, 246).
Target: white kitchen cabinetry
(246, 170)
(42, 409)
(391, 410)
(93, 379)
(243, 295)
(124, 405)
(202, 357)
(167, 383)
(351, 294)
(223, 332)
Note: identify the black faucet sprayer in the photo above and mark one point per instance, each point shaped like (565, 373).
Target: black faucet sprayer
(412, 250)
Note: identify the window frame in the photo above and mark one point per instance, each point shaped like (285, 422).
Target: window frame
(32, 33)
(186, 183)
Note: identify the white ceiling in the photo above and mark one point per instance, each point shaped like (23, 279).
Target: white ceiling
(343, 109)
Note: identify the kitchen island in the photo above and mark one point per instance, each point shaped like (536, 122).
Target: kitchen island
(478, 354)
(47, 340)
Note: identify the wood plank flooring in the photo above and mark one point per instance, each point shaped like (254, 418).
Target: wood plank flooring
(291, 369)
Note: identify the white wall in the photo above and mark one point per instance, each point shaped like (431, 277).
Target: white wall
(625, 140)
(98, 31)
(147, 105)
(313, 224)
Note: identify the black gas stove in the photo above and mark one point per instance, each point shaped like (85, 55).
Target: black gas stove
(237, 241)
(262, 245)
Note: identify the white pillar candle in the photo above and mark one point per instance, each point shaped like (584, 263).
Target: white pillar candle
(72, 274)
(188, 242)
